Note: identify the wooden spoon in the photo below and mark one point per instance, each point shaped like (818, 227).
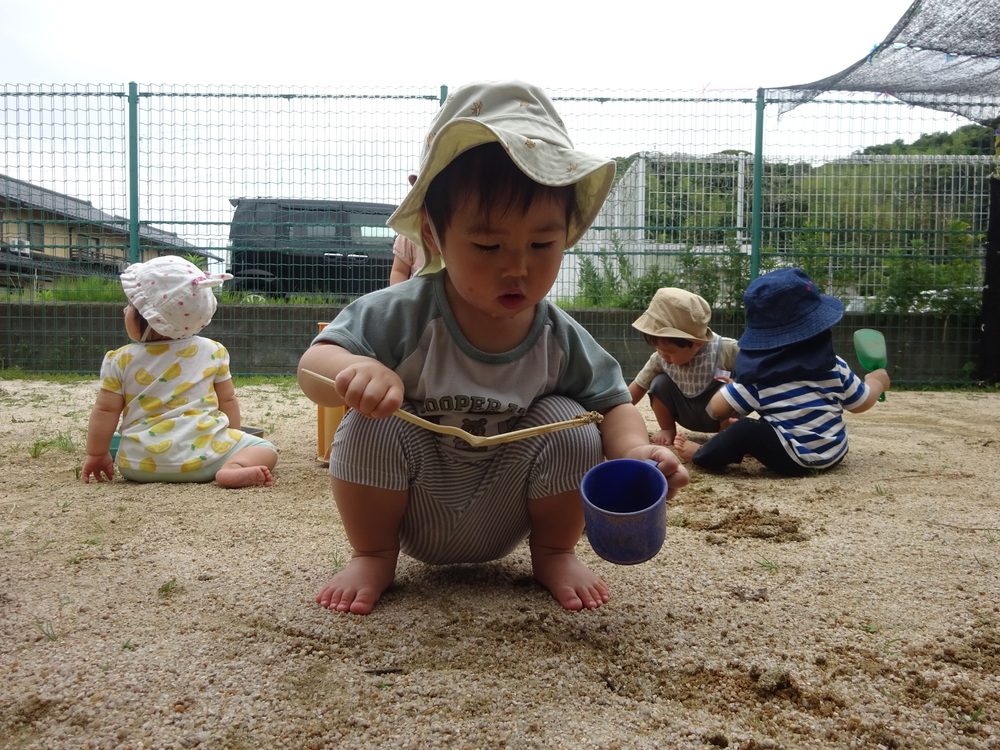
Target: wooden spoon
(591, 417)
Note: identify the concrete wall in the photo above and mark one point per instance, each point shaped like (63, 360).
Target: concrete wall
(269, 339)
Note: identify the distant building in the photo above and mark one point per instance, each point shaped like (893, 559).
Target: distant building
(45, 235)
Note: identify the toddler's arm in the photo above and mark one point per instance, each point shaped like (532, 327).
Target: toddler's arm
(100, 429)
(225, 391)
(719, 408)
(650, 370)
(624, 435)
(878, 383)
(363, 383)
(400, 271)
(636, 391)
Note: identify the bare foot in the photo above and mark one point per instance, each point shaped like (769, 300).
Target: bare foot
(572, 583)
(245, 476)
(663, 437)
(685, 447)
(359, 586)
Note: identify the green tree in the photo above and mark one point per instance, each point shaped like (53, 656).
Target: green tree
(693, 200)
(968, 140)
(611, 280)
(719, 277)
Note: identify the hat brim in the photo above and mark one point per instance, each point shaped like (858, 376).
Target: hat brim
(648, 324)
(826, 314)
(544, 162)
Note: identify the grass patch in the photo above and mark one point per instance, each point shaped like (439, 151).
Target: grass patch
(168, 588)
(765, 564)
(47, 629)
(16, 373)
(70, 378)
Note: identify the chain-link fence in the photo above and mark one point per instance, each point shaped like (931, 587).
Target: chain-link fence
(289, 190)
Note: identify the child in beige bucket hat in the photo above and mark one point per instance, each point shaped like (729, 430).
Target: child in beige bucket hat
(689, 364)
(170, 390)
(473, 342)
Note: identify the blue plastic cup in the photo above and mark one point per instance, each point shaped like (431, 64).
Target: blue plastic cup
(625, 509)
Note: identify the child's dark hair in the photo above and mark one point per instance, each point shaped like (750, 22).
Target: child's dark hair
(654, 340)
(502, 187)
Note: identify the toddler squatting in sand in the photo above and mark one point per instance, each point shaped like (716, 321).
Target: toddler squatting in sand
(474, 342)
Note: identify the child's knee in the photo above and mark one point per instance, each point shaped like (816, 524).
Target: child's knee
(585, 439)
(549, 409)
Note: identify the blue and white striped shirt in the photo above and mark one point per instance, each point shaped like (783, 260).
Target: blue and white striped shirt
(808, 415)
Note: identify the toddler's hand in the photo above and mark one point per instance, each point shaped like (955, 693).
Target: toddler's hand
(878, 376)
(667, 462)
(723, 376)
(370, 388)
(101, 468)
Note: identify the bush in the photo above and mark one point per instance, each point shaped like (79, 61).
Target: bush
(612, 282)
(909, 281)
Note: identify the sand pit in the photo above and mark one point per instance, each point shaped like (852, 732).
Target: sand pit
(858, 608)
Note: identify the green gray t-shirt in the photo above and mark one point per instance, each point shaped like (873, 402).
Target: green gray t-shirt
(410, 328)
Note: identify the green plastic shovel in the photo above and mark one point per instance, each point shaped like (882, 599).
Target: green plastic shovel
(869, 345)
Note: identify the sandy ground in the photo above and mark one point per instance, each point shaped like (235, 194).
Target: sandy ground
(858, 608)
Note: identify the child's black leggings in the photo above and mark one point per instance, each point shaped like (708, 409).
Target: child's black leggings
(748, 437)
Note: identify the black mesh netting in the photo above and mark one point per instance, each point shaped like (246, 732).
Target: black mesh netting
(942, 54)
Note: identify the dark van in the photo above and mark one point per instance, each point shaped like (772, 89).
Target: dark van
(282, 247)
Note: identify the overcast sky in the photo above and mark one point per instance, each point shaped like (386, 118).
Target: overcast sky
(623, 44)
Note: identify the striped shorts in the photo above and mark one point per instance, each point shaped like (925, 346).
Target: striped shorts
(466, 510)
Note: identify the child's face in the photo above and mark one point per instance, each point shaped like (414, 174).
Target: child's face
(132, 322)
(673, 354)
(501, 266)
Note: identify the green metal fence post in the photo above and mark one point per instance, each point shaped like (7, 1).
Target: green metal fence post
(133, 173)
(758, 178)
(989, 357)
(444, 94)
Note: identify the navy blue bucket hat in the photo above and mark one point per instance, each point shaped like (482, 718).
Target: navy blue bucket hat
(784, 307)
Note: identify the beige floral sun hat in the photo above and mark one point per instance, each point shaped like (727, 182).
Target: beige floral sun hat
(524, 121)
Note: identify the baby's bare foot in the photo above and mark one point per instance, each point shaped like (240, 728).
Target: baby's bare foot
(573, 584)
(359, 586)
(663, 437)
(245, 476)
(685, 447)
